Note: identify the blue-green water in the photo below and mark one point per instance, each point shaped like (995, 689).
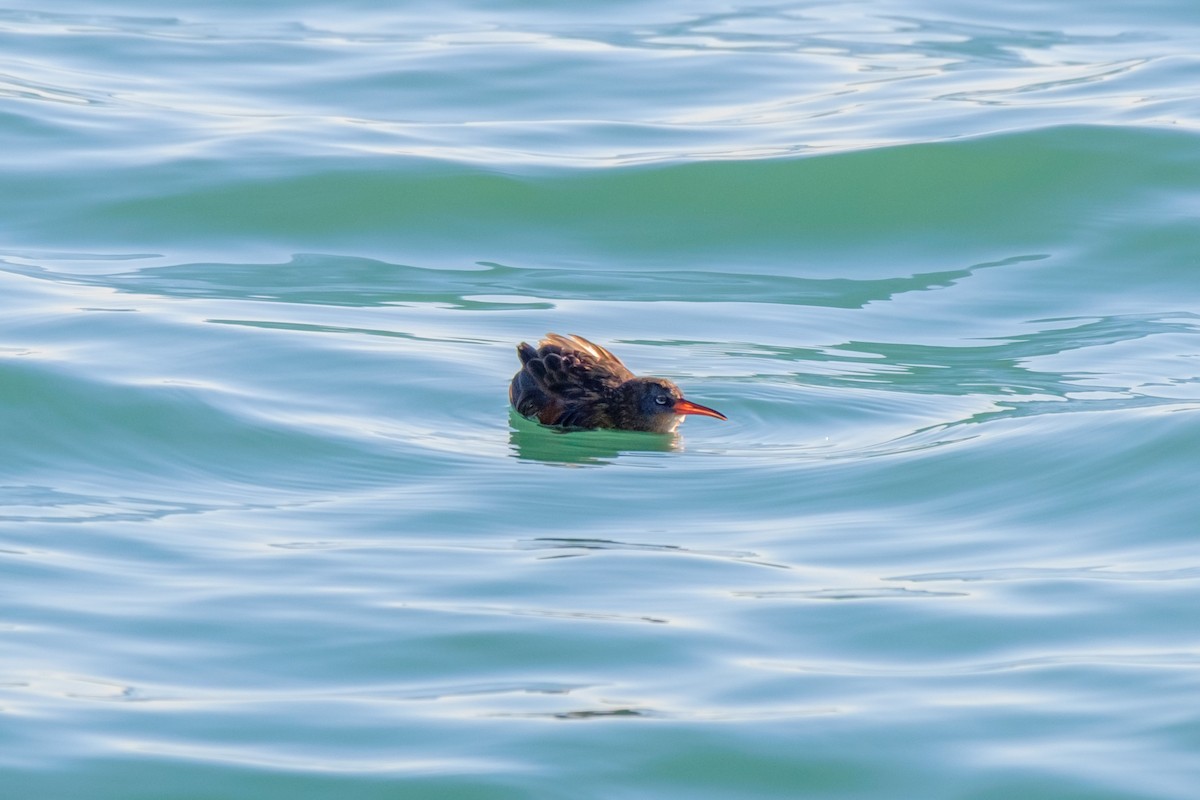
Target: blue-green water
(269, 530)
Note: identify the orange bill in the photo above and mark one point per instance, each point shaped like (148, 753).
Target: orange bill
(688, 407)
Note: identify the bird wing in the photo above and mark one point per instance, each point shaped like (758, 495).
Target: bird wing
(571, 367)
(591, 355)
(566, 381)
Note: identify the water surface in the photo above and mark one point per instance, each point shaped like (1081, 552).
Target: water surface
(268, 528)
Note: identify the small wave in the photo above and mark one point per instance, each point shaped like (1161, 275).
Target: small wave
(585, 616)
(864, 593)
(1170, 660)
(1008, 574)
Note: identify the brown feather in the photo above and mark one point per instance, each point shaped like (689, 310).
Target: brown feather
(570, 382)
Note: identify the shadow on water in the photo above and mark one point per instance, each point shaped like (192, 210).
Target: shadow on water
(529, 441)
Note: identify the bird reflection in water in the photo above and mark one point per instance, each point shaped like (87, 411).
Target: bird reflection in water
(530, 441)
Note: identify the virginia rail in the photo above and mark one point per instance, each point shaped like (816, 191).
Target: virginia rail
(570, 382)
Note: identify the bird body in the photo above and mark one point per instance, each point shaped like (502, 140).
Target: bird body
(569, 382)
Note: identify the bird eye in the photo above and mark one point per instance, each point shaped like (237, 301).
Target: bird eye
(661, 400)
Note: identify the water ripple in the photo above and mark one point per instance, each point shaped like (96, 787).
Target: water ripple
(330, 280)
(866, 593)
(581, 547)
(1004, 574)
(550, 613)
(1167, 660)
(46, 504)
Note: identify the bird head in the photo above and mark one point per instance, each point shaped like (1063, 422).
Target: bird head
(657, 405)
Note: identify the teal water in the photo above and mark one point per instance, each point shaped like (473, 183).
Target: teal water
(269, 530)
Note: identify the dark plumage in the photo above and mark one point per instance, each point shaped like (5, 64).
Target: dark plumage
(570, 382)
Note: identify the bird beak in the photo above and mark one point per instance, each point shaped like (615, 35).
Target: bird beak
(688, 407)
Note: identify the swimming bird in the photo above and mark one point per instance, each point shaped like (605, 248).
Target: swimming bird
(569, 382)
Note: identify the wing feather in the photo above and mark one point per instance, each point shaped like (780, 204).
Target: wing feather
(566, 380)
(588, 351)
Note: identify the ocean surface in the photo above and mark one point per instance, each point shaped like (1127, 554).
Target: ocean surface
(268, 528)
